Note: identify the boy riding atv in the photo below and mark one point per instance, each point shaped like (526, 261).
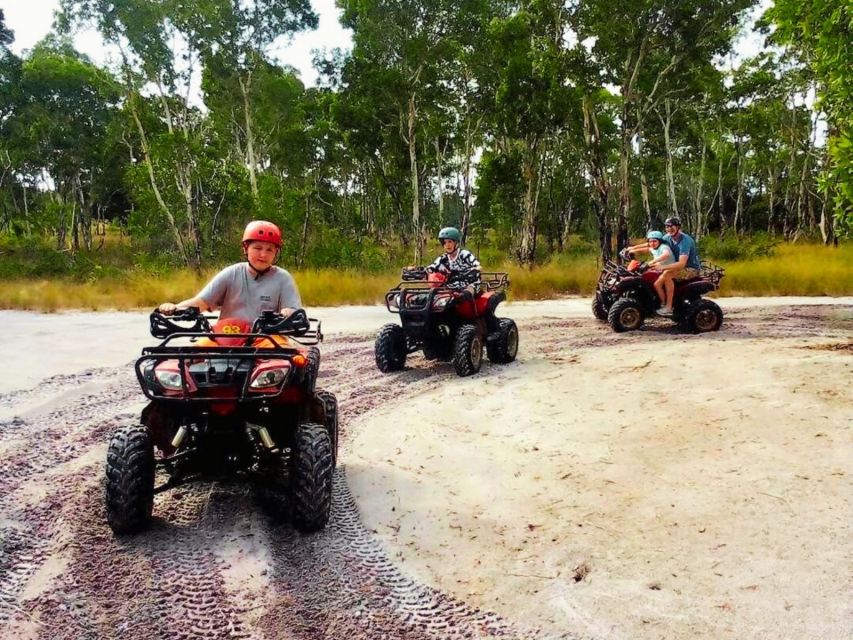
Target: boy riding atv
(455, 261)
(246, 289)
(234, 400)
(448, 310)
(249, 289)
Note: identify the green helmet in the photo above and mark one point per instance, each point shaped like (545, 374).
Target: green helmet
(450, 233)
(654, 235)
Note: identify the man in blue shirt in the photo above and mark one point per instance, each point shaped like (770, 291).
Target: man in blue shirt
(685, 267)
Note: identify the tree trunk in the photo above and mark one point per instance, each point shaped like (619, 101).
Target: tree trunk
(75, 237)
(827, 230)
(183, 180)
(595, 164)
(84, 219)
(739, 200)
(803, 195)
(60, 223)
(26, 208)
(439, 157)
(251, 161)
(624, 186)
(771, 197)
(304, 244)
(699, 193)
(644, 185)
(566, 224)
(416, 197)
(670, 174)
(176, 234)
(530, 174)
(470, 133)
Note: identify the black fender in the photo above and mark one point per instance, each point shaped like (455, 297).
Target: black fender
(693, 290)
(494, 301)
(493, 325)
(629, 284)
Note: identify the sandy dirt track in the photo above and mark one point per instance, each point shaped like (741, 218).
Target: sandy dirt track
(552, 504)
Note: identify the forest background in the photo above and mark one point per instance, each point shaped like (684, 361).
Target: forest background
(549, 132)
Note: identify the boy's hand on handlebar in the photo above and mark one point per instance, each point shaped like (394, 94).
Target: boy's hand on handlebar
(167, 308)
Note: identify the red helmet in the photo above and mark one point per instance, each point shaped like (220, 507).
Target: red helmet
(264, 231)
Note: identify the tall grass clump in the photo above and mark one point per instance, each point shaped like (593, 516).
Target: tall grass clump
(565, 274)
(330, 287)
(793, 270)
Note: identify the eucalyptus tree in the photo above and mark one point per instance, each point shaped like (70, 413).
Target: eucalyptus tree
(400, 55)
(162, 44)
(10, 81)
(780, 142)
(142, 32)
(368, 111)
(641, 48)
(60, 131)
(532, 100)
(10, 67)
(236, 38)
(819, 31)
(467, 99)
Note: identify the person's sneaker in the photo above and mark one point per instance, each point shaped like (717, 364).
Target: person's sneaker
(666, 313)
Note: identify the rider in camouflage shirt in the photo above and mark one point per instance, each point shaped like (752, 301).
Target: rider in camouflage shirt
(457, 262)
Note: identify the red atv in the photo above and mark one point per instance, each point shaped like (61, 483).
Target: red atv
(447, 321)
(625, 296)
(234, 400)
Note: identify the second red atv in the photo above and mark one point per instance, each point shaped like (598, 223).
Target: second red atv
(447, 322)
(625, 296)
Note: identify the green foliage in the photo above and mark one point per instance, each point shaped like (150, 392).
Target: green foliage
(571, 119)
(731, 247)
(820, 32)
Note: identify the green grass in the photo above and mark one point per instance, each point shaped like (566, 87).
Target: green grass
(802, 270)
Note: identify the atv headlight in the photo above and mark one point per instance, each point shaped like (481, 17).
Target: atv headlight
(169, 379)
(270, 375)
(439, 302)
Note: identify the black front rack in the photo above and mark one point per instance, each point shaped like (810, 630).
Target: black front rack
(611, 272)
(213, 373)
(306, 331)
(416, 294)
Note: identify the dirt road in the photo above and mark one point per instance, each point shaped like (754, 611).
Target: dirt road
(214, 566)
